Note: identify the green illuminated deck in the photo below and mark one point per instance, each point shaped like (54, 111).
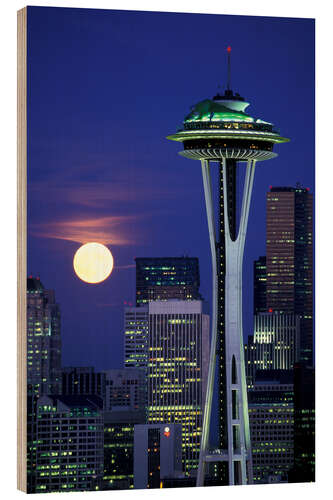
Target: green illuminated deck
(209, 110)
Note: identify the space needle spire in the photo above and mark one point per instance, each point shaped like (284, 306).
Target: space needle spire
(229, 68)
(219, 131)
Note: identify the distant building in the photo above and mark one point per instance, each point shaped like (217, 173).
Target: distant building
(69, 443)
(165, 278)
(289, 258)
(271, 415)
(43, 340)
(125, 389)
(136, 337)
(275, 344)
(125, 406)
(83, 380)
(157, 454)
(259, 286)
(178, 349)
(119, 447)
(136, 343)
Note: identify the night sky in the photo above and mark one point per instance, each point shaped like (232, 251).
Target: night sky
(105, 88)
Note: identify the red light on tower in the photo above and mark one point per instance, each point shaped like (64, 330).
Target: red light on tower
(166, 431)
(270, 310)
(228, 49)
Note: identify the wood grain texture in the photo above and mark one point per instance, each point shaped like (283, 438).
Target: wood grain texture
(21, 249)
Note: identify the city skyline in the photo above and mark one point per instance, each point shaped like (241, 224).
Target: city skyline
(78, 164)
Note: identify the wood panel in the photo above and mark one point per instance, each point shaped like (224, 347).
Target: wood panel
(21, 249)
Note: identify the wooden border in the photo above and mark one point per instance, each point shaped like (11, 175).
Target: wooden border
(21, 248)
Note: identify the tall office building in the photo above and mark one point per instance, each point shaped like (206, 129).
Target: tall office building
(177, 370)
(157, 454)
(43, 340)
(259, 286)
(69, 444)
(43, 361)
(275, 344)
(83, 380)
(165, 278)
(271, 412)
(136, 337)
(289, 258)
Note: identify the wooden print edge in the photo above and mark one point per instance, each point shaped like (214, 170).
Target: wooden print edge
(21, 248)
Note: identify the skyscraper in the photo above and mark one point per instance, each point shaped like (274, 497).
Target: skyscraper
(177, 370)
(69, 444)
(271, 412)
(43, 340)
(289, 258)
(43, 361)
(275, 344)
(164, 278)
(136, 337)
(259, 286)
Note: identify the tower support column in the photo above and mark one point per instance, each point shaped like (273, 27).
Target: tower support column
(207, 182)
(238, 454)
(239, 443)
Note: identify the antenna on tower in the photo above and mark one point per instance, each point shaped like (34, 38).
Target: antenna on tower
(229, 68)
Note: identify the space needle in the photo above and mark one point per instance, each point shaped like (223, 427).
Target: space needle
(218, 130)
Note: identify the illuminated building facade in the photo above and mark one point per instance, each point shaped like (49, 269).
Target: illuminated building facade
(275, 344)
(219, 131)
(271, 412)
(44, 341)
(119, 447)
(83, 380)
(136, 337)
(259, 286)
(157, 454)
(69, 445)
(165, 278)
(43, 361)
(177, 370)
(289, 249)
(289, 254)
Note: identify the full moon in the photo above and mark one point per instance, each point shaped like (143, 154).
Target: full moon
(93, 262)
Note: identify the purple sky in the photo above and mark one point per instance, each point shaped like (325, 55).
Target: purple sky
(104, 90)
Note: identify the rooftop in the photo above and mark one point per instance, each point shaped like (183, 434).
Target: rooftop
(34, 284)
(213, 110)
